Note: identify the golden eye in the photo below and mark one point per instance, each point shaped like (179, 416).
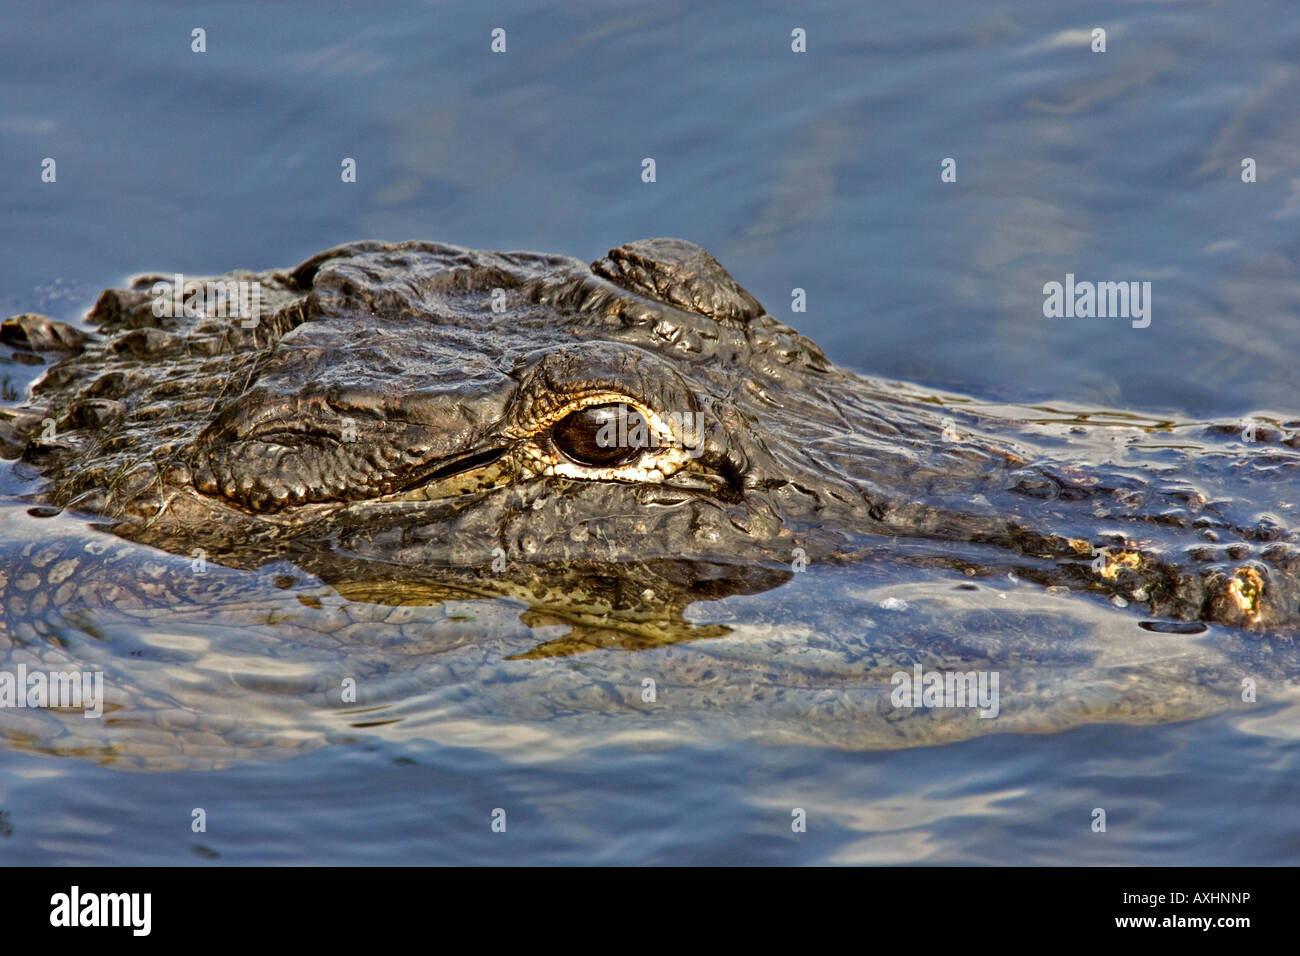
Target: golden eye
(602, 436)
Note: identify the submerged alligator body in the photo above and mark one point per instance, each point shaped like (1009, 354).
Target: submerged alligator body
(640, 427)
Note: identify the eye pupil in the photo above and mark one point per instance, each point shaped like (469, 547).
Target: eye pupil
(601, 435)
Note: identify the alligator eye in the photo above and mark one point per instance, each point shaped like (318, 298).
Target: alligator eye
(602, 436)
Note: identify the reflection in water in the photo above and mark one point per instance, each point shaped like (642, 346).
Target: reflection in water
(237, 664)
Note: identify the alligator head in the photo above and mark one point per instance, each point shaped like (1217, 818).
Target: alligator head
(639, 428)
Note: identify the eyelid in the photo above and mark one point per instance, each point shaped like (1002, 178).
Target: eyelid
(539, 420)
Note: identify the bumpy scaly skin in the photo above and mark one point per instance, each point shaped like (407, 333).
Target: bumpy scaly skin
(394, 409)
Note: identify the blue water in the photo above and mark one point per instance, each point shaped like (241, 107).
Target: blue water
(819, 171)
(1209, 792)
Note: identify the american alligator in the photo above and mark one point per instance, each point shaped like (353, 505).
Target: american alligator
(607, 443)
(428, 406)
